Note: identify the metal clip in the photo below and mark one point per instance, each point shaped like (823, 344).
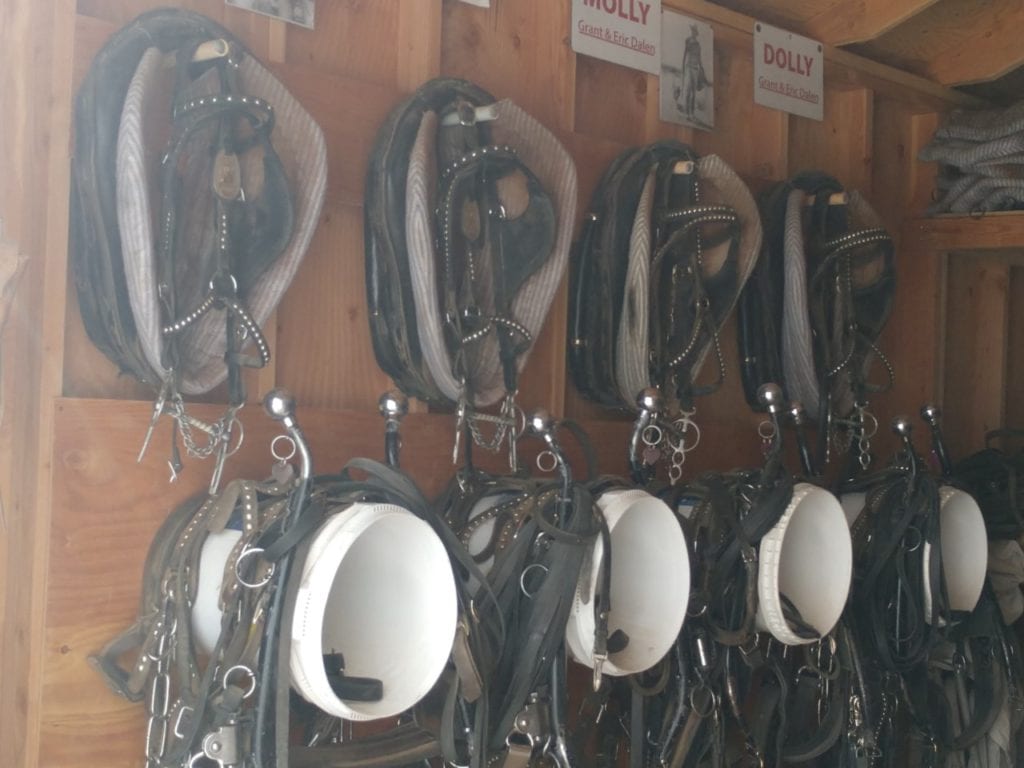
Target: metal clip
(158, 411)
(599, 660)
(221, 745)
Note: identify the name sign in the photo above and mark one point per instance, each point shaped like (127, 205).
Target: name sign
(626, 32)
(788, 72)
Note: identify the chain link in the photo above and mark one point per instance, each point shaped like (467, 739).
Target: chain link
(158, 703)
(670, 439)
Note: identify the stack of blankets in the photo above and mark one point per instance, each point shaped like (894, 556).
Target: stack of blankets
(981, 157)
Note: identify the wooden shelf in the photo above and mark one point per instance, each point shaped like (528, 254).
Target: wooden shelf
(991, 231)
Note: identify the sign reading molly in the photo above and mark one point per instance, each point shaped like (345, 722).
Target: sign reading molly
(788, 72)
(626, 32)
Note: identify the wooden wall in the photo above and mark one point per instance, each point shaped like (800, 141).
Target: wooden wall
(80, 512)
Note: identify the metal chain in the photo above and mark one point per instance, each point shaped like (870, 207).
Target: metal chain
(680, 447)
(508, 424)
(670, 439)
(217, 432)
(864, 436)
(158, 703)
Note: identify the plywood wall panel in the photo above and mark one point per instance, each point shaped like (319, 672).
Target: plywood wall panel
(349, 112)
(611, 101)
(893, 163)
(840, 144)
(753, 139)
(514, 50)
(976, 331)
(35, 44)
(87, 371)
(350, 72)
(351, 39)
(324, 352)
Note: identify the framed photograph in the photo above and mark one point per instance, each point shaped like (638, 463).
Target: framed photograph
(293, 11)
(687, 90)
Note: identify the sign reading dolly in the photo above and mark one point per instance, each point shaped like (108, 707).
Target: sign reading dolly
(626, 32)
(788, 72)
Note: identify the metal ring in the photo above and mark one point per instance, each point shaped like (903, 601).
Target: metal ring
(696, 602)
(235, 421)
(234, 283)
(522, 577)
(281, 457)
(543, 465)
(252, 584)
(648, 435)
(244, 669)
(917, 542)
(682, 426)
(830, 671)
(865, 416)
(959, 663)
(675, 473)
(766, 430)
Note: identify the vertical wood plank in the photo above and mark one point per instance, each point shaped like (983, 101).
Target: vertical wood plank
(324, 349)
(911, 340)
(754, 140)
(620, 118)
(515, 50)
(35, 39)
(418, 43)
(976, 354)
(839, 145)
(922, 181)
(277, 42)
(892, 165)
(352, 38)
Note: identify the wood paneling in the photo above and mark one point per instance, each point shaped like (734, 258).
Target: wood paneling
(841, 66)
(998, 229)
(753, 138)
(514, 50)
(611, 101)
(840, 23)
(73, 580)
(35, 40)
(848, 123)
(346, 41)
(977, 312)
(955, 41)
(325, 356)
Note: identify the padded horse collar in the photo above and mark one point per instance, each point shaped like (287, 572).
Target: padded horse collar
(667, 245)
(242, 181)
(817, 302)
(469, 212)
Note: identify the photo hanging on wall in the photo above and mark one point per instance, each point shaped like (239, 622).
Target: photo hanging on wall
(687, 92)
(299, 12)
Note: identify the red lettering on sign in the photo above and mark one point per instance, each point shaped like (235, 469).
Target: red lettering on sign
(630, 10)
(791, 61)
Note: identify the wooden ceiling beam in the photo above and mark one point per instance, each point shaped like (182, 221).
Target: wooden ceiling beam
(848, 22)
(841, 66)
(990, 52)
